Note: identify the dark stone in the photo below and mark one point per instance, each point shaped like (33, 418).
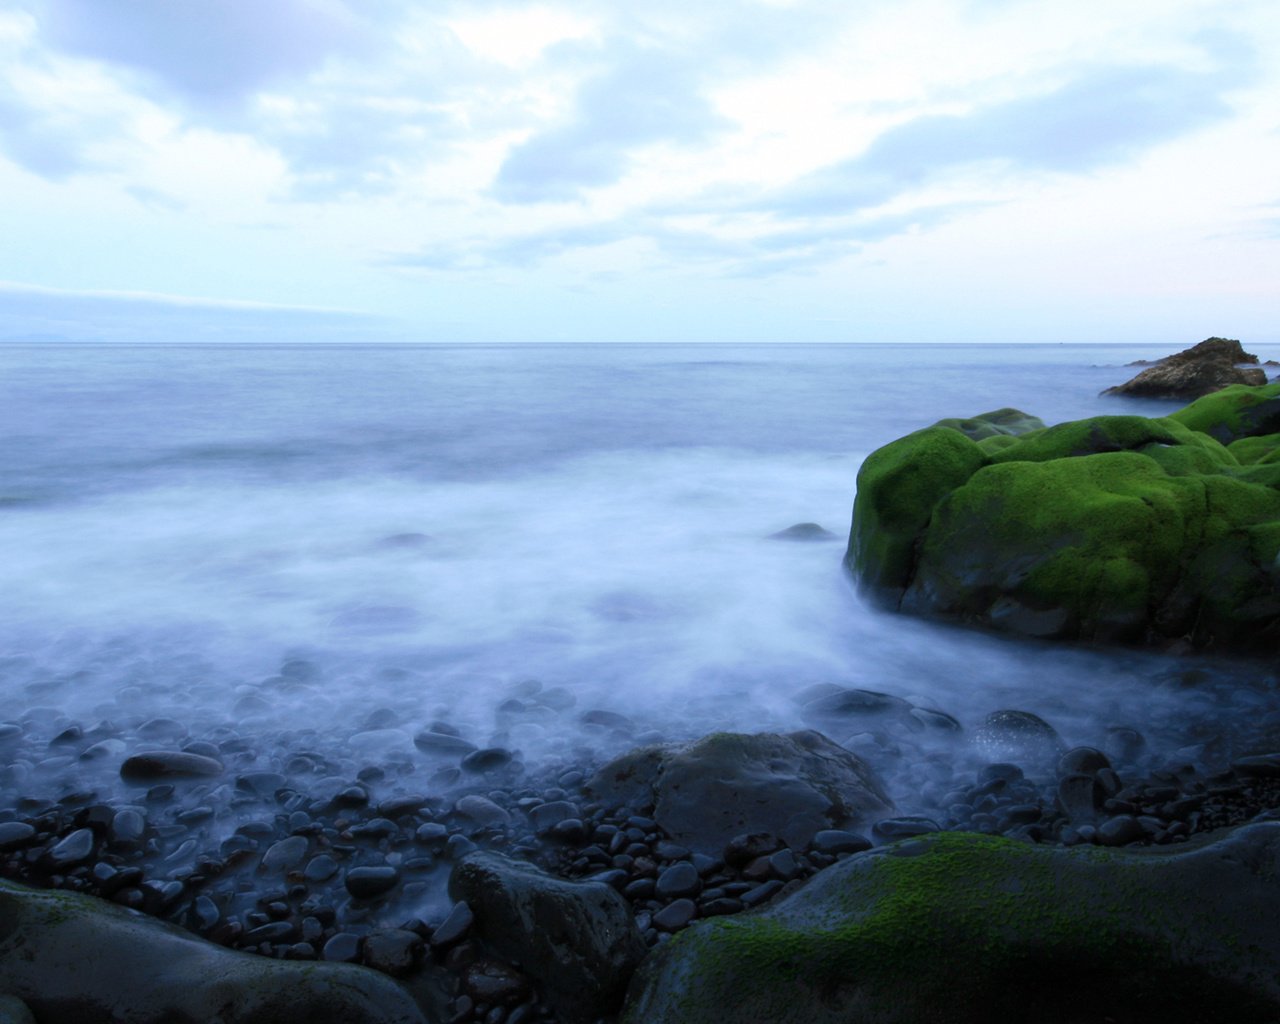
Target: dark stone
(1259, 766)
(455, 927)
(836, 841)
(1018, 736)
(370, 882)
(1082, 761)
(889, 829)
(495, 983)
(547, 816)
(487, 760)
(286, 854)
(164, 764)
(76, 848)
(14, 834)
(803, 532)
(681, 879)
(394, 951)
(439, 744)
(1200, 370)
(675, 916)
(78, 958)
(343, 947)
(576, 939)
(707, 792)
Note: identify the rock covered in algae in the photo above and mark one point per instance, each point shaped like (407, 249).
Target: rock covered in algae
(1114, 528)
(966, 929)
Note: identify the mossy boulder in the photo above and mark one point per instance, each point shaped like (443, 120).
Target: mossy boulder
(959, 928)
(71, 957)
(1114, 529)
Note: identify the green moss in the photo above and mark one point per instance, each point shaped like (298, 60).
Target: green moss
(899, 486)
(1234, 412)
(1000, 423)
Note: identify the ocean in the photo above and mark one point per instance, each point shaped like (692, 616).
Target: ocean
(332, 548)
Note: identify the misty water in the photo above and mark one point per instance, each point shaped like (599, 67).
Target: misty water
(330, 548)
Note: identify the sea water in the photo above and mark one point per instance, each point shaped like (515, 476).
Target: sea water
(343, 545)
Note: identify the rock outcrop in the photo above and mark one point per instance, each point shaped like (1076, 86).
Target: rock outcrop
(705, 793)
(966, 929)
(1194, 372)
(1113, 529)
(578, 939)
(76, 958)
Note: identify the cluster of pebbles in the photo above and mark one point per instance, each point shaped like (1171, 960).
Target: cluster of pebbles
(295, 861)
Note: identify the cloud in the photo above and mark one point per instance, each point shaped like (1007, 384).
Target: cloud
(223, 51)
(767, 251)
(644, 97)
(1104, 117)
(36, 142)
(31, 313)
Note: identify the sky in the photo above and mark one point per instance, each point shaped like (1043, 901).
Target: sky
(724, 171)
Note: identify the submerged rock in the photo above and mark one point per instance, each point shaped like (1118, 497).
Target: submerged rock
(1115, 529)
(1194, 372)
(969, 929)
(707, 792)
(577, 939)
(72, 957)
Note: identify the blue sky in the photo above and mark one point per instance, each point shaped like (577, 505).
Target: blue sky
(755, 170)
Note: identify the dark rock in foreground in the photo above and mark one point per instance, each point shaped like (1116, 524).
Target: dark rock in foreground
(75, 958)
(968, 929)
(1114, 529)
(705, 793)
(578, 939)
(1194, 372)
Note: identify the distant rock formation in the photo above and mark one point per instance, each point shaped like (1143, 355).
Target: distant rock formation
(1200, 370)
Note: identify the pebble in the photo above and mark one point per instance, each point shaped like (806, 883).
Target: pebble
(495, 983)
(681, 879)
(285, 854)
(675, 916)
(395, 951)
(76, 848)
(454, 927)
(14, 834)
(889, 829)
(162, 764)
(481, 810)
(367, 883)
(486, 760)
(343, 947)
(836, 841)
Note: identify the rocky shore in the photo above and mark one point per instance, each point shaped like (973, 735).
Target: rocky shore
(610, 859)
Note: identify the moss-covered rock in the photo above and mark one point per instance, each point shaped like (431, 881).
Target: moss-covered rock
(960, 929)
(1115, 528)
(77, 958)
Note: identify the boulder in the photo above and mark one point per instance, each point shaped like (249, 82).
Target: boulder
(1113, 529)
(577, 939)
(967, 929)
(1194, 372)
(72, 957)
(705, 793)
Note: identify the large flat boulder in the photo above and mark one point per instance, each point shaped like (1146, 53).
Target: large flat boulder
(703, 794)
(959, 928)
(1210, 366)
(1114, 529)
(71, 957)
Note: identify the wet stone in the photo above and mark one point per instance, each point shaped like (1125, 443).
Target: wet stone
(675, 916)
(495, 983)
(836, 841)
(546, 816)
(1082, 761)
(273, 931)
(320, 868)
(343, 947)
(286, 854)
(482, 810)
(441, 744)
(1120, 830)
(1080, 797)
(394, 951)
(486, 760)
(1260, 766)
(260, 784)
(76, 848)
(367, 883)
(454, 927)
(14, 834)
(745, 848)
(160, 764)
(889, 829)
(681, 879)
